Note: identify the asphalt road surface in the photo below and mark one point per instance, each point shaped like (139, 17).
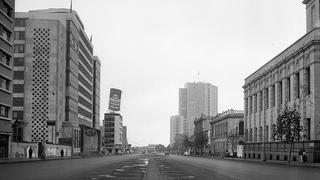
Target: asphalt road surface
(152, 167)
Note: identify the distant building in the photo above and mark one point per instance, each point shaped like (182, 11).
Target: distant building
(197, 99)
(6, 79)
(124, 134)
(227, 128)
(57, 83)
(290, 77)
(113, 132)
(176, 128)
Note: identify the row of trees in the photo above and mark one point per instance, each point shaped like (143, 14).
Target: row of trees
(288, 129)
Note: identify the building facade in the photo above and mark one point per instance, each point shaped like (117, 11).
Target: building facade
(57, 72)
(197, 99)
(176, 128)
(113, 135)
(292, 77)
(96, 91)
(227, 132)
(7, 8)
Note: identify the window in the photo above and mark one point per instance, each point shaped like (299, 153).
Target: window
(17, 115)
(6, 34)
(267, 98)
(4, 83)
(260, 100)
(18, 62)
(297, 85)
(18, 88)
(18, 101)
(18, 75)
(288, 89)
(273, 95)
(6, 9)
(19, 35)
(255, 103)
(18, 48)
(5, 58)
(20, 22)
(4, 111)
(308, 81)
(308, 128)
(280, 92)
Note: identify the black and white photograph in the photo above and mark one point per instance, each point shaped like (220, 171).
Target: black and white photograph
(159, 89)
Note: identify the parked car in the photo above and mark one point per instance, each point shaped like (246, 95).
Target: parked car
(186, 153)
(166, 153)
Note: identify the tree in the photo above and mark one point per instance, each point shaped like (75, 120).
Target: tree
(160, 148)
(233, 139)
(288, 126)
(201, 140)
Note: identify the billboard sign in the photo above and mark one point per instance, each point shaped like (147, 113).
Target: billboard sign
(114, 99)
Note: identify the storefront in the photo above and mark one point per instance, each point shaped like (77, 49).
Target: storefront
(4, 146)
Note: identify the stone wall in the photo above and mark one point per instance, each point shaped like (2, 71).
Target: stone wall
(280, 150)
(20, 150)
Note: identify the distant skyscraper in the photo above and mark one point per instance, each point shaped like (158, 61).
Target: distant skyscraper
(196, 99)
(176, 127)
(113, 132)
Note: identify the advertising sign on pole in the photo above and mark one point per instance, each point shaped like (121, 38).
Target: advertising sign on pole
(114, 99)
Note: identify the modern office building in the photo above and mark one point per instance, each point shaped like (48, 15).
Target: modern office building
(176, 128)
(61, 79)
(291, 77)
(227, 131)
(7, 8)
(113, 140)
(197, 99)
(96, 91)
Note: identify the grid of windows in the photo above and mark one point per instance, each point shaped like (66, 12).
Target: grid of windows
(18, 88)
(5, 33)
(18, 62)
(18, 101)
(19, 35)
(18, 48)
(19, 75)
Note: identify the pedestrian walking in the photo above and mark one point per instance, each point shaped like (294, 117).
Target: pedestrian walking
(61, 152)
(30, 153)
(300, 156)
(304, 155)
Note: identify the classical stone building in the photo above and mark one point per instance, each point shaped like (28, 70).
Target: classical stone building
(224, 126)
(292, 77)
(6, 62)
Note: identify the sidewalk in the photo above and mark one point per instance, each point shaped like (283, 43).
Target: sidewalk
(38, 159)
(292, 163)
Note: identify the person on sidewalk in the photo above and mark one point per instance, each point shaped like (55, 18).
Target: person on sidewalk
(61, 152)
(30, 153)
(304, 155)
(300, 156)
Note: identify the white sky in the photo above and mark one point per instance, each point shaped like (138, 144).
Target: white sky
(150, 48)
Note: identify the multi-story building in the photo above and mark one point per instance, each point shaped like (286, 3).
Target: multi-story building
(292, 77)
(57, 73)
(6, 75)
(176, 128)
(227, 131)
(197, 99)
(113, 127)
(96, 91)
(39, 79)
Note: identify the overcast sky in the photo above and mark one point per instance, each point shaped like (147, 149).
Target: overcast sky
(150, 48)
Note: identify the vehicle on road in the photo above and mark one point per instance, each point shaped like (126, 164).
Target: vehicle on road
(166, 153)
(186, 153)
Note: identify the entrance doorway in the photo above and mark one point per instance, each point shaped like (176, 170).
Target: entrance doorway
(4, 146)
